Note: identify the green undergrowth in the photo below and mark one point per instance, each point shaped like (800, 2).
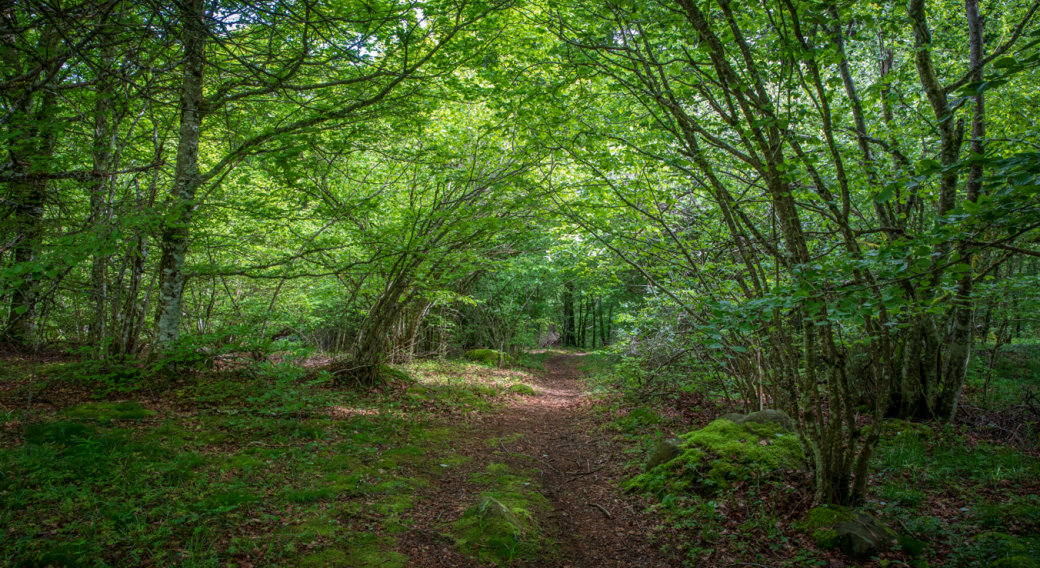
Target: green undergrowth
(981, 484)
(276, 463)
(514, 535)
(720, 453)
(109, 411)
(1016, 367)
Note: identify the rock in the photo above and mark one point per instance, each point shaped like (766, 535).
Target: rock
(734, 417)
(856, 533)
(491, 508)
(666, 452)
(520, 388)
(489, 356)
(770, 417)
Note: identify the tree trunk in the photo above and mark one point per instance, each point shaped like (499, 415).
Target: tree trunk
(32, 146)
(99, 189)
(964, 305)
(186, 176)
(568, 315)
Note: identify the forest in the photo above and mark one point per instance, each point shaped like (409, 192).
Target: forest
(462, 283)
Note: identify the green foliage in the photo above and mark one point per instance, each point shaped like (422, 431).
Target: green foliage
(910, 545)
(1006, 551)
(109, 411)
(638, 418)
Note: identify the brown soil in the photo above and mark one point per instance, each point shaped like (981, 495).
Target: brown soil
(594, 523)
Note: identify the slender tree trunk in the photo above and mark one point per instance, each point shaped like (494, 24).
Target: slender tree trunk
(593, 311)
(176, 233)
(964, 306)
(568, 315)
(100, 211)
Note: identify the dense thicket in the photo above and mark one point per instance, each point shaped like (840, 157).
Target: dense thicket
(828, 206)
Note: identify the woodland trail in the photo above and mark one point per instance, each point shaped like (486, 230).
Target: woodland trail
(593, 523)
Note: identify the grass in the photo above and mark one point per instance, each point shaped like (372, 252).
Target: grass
(269, 463)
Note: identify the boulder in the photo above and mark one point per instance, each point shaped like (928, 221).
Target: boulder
(863, 537)
(734, 417)
(856, 533)
(768, 416)
(493, 509)
(489, 356)
(712, 457)
(666, 452)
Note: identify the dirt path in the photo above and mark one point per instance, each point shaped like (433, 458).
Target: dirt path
(593, 522)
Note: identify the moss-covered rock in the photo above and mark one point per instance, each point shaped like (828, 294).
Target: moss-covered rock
(489, 356)
(666, 452)
(856, 533)
(767, 416)
(819, 524)
(523, 389)
(491, 509)
(770, 416)
(109, 411)
(719, 453)
(734, 417)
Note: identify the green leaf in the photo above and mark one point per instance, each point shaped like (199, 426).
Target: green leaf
(1005, 62)
(884, 195)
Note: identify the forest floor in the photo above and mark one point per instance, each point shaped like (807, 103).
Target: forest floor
(274, 463)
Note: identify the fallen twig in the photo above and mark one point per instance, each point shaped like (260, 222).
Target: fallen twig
(907, 529)
(581, 473)
(601, 508)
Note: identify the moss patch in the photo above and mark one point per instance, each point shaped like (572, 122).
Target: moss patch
(513, 535)
(109, 411)
(523, 389)
(819, 520)
(489, 356)
(388, 373)
(719, 453)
